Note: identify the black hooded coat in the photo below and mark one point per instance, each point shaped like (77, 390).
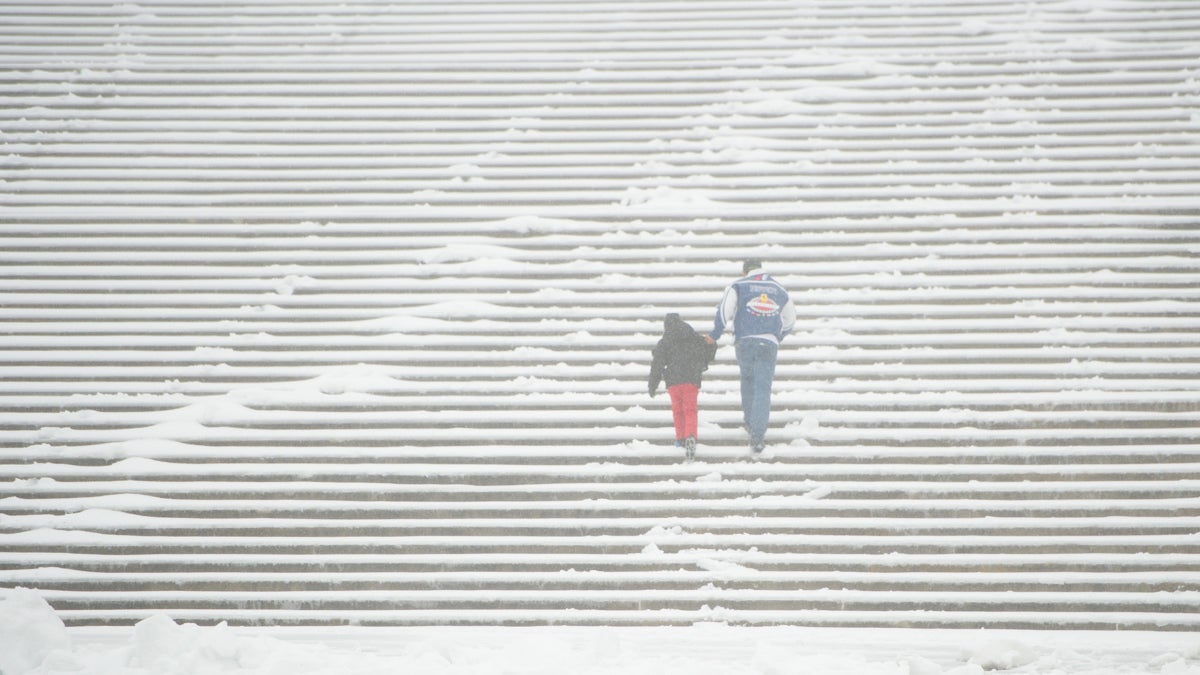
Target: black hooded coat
(680, 356)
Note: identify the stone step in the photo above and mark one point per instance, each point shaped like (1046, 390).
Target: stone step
(839, 618)
(320, 602)
(880, 546)
(749, 527)
(332, 568)
(478, 582)
(771, 511)
(1121, 493)
(630, 461)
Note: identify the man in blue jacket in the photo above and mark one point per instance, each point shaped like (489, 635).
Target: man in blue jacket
(762, 314)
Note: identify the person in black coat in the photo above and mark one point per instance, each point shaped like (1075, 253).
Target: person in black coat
(679, 358)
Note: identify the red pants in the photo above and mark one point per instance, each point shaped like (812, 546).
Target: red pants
(683, 407)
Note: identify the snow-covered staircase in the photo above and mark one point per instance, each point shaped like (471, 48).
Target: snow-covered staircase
(341, 312)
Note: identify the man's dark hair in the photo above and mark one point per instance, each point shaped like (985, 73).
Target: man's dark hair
(751, 264)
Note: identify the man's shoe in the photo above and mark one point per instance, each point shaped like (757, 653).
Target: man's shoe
(689, 446)
(757, 447)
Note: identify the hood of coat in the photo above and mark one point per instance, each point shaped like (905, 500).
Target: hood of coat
(674, 326)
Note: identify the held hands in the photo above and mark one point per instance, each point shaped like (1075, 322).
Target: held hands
(709, 340)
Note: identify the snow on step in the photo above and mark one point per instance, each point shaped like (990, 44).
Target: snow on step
(340, 313)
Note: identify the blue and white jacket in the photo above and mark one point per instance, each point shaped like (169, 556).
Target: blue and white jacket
(758, 307)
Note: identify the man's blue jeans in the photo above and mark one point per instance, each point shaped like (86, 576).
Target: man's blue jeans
(756, 360)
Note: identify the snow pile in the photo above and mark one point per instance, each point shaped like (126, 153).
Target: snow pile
(33, 641)
(1003, 655)
(29, 631)
(159, 645)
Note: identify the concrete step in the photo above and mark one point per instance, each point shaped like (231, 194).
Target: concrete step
(533, 581)
(317, 602)
(336, 568)
(880, 546)
(939, 619)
